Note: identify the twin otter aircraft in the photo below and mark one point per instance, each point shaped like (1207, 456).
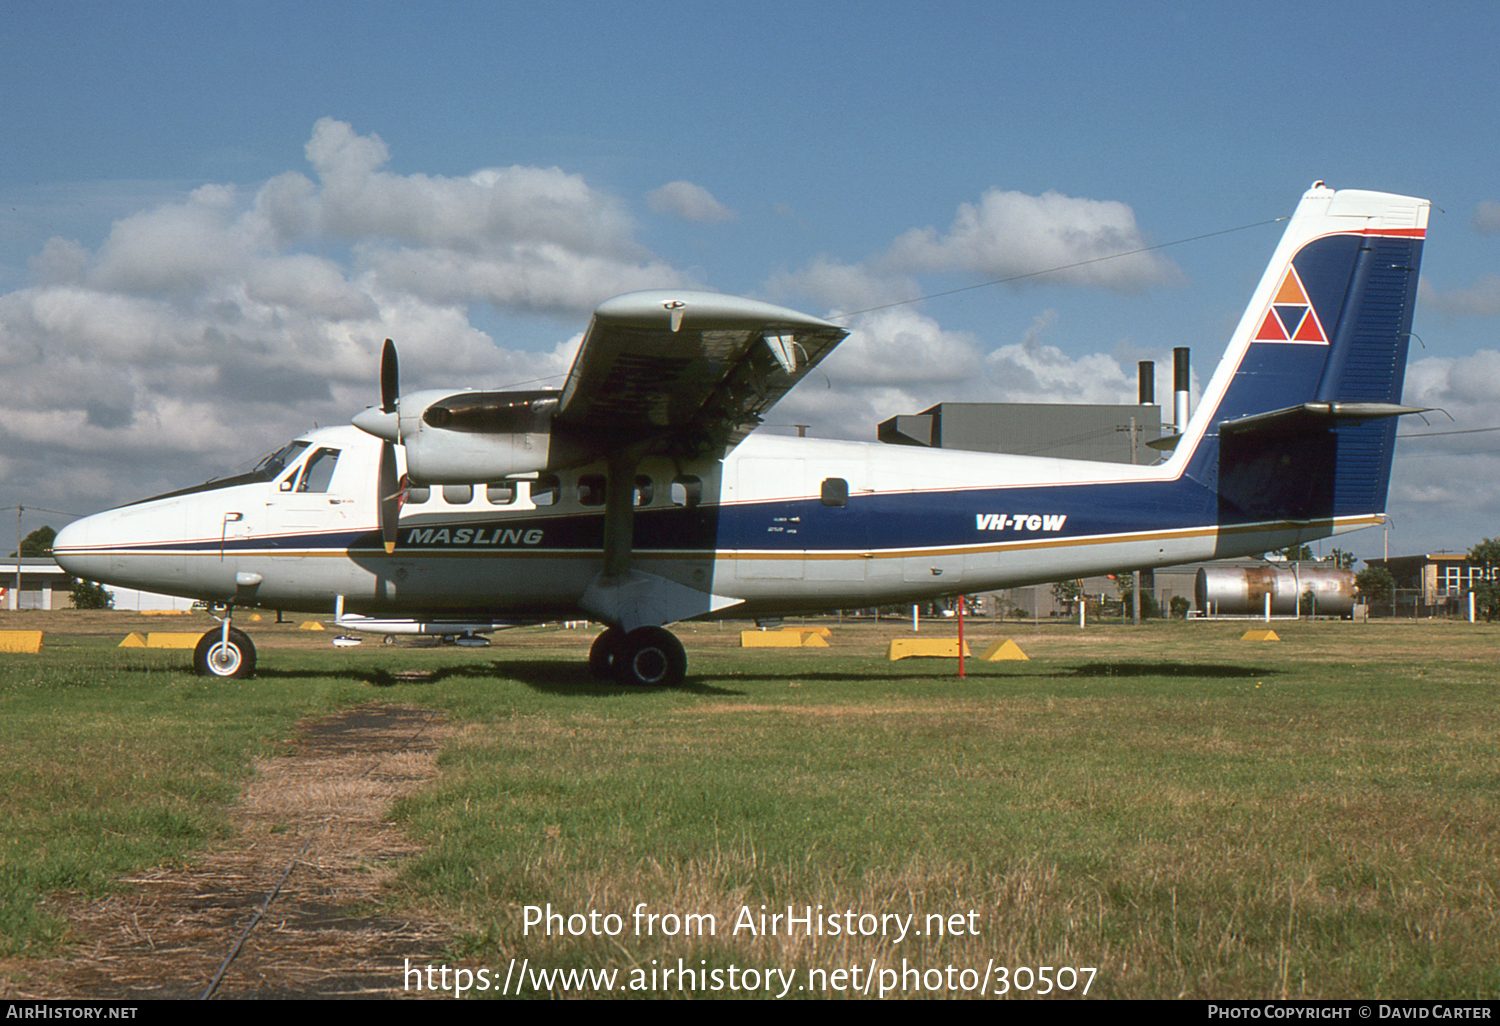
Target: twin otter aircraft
(633, 496)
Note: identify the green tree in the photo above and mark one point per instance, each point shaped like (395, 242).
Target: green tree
(1297, 553)
(88, 595)
(1487, 588)
(1341, 559)
(1150, 608)
(1068, 592)
(1376, 585)
(38, 542)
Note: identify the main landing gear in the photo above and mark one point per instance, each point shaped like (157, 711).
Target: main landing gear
(644, 657)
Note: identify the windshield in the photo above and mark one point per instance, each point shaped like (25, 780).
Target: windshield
(268, 469)
(274, 464)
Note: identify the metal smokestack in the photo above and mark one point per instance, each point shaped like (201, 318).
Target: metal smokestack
(1182, 383)
(1146, 377)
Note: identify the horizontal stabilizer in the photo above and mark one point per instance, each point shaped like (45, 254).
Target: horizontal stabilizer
(1311, 415)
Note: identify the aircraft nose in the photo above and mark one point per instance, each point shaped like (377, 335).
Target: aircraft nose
(70, 548)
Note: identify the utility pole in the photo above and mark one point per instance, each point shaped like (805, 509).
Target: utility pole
(15, 594)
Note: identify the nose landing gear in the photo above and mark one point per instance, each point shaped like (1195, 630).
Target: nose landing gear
(225, 652)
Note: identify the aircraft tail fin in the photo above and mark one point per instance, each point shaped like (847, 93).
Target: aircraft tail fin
(1299, 421)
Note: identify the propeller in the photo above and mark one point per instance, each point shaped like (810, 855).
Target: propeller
(390, 378)
(388, 490)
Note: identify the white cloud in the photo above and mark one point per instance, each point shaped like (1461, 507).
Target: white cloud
(900, 361)
(840, 286)
(1011, 234)
(1467, 388)
(690, 202)
(1031, 371)
(1482, 299)
(222, 321)
(1487, 217)
(1450, 469)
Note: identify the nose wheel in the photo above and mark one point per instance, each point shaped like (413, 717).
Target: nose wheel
(218, 655)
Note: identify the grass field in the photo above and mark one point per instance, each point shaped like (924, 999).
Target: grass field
(1186, 813)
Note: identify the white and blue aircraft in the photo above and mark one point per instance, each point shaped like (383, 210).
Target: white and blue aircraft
(636, 495)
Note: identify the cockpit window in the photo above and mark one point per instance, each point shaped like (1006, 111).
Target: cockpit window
(319, 471)
(268, 468)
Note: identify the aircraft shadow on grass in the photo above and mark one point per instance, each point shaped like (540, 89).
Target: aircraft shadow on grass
(575, 680)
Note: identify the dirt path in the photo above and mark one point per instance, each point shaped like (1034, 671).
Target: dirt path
(319, 808)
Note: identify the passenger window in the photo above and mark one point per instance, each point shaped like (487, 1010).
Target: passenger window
(458, 495)
(319, 471)
(687, 490)
(545, 490)
(835, 491)
(591, 490)
(418, 494)
(645, 491)
(502, 493)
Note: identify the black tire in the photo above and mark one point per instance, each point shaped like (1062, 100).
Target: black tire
(604, 651)
(650, 657)
(236, 660)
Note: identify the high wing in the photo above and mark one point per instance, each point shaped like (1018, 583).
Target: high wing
(698, 370)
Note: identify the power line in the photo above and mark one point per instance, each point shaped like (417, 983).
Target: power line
(1435, 434)
(1063, 267)
(41, 509)
(1014, 277)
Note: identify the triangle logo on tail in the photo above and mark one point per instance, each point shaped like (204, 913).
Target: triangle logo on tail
(1291, 317)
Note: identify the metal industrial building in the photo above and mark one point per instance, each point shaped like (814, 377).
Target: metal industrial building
(1112, 434)
(1109, 434)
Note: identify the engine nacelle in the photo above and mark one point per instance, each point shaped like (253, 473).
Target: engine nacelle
(470, 437)
(464, 437)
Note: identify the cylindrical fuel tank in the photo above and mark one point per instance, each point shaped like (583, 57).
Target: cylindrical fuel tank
(1242, 591)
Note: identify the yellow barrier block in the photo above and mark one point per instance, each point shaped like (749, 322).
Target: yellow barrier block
(312, 625)
(822, 632)
(813, 641)
(1002, 650)
(1260, 635)
(135, 639)
(930, 648)
(165, 612)
(770, 639)
(171, 639)
(21, 641)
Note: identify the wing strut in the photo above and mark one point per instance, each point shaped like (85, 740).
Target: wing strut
(619, 513)
(621, 596)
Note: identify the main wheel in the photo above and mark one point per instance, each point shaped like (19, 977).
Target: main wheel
(603, 652)
(214, 658)
(650, 657)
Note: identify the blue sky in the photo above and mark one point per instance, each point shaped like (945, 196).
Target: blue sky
(210, 214)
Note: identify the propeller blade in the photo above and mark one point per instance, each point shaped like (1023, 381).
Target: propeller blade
(390, 378)
(389, 495)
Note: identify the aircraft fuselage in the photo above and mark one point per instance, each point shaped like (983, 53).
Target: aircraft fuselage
(781, 524)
